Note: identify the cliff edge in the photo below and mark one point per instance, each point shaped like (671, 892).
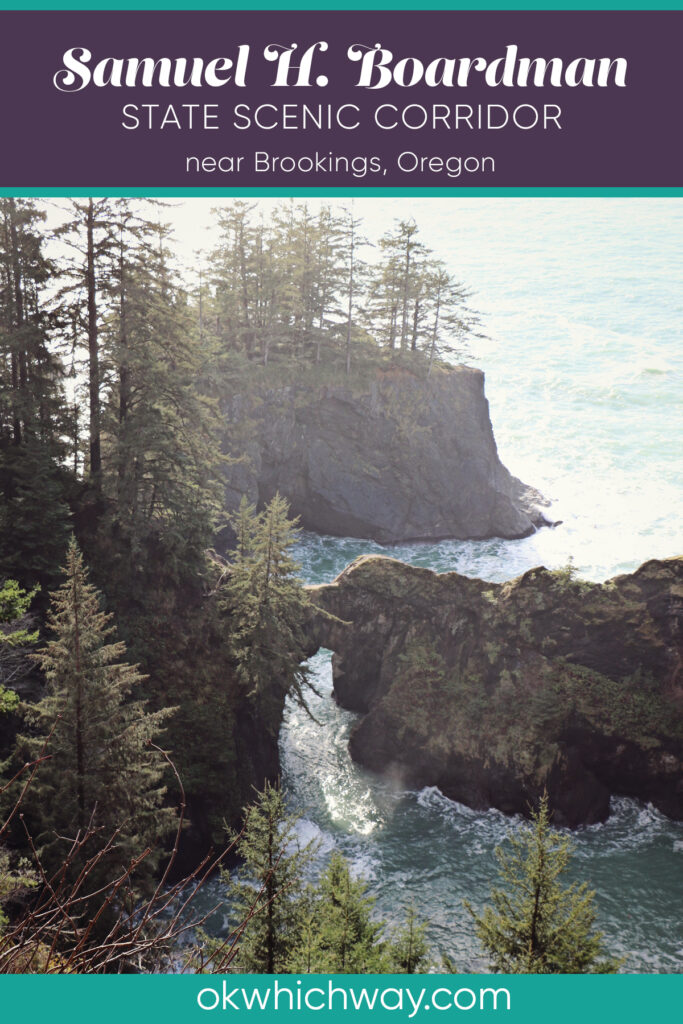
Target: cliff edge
(401, 458)
(497, 692)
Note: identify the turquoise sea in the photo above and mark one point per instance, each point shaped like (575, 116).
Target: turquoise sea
(582, 307)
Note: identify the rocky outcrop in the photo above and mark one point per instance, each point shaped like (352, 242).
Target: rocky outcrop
(401, 459)
(494, 692)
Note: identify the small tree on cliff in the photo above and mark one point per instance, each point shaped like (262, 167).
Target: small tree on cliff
(269, 896)
(536, 925)
(268, 608)
(101, 773)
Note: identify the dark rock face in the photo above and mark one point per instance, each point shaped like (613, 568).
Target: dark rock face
(494, 692)
(406, 459)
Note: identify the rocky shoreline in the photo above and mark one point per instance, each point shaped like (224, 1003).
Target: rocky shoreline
(497, 692)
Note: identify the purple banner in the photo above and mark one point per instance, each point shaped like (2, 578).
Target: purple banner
(429, 99)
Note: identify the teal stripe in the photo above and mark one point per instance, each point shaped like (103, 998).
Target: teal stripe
(539, 999)
(349, 5)
(450, 193)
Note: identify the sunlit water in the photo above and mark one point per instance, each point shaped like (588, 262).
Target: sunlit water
(583, 305)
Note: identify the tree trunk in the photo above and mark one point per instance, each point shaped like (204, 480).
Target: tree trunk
(93, 351)
(19, 377)
(80, 752)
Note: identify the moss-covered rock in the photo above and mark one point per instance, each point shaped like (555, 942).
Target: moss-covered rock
(497, 692)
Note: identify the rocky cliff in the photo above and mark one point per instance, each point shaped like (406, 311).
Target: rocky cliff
(495, 692)
(402, 458)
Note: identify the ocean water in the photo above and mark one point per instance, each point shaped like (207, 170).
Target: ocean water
(582, 305)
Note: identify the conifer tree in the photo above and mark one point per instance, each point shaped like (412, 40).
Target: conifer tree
(268, 608)
(88, 234)
(269, 894)
(35, 519)
(34, 419)
(537, 925)
(30, 392)
(396, 292)
(447, 320)
(408, 948)
(353, 241)
(348, 941)
(101, 773)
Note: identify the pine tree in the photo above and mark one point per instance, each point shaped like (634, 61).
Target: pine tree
(447, 319)
(408, 948)
(31, 393)
(355, 270)
(268, 608)
(34, 419)
(396, 291)
(160, 451)
(88, 234)
(101, 773)
(536, 925)
(35, 519)
(269, 895)
(347, 940)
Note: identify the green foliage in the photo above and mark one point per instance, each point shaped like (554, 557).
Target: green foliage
(537, 925)
(293, 289)
(269, 896)
(568, 577)
(9, 700)
(326, 927)
(409, 951)
(30, 369)
(268, 608)
(101, 773)
(633, 708)
(340, 933)
(35, 520)
(15, 879)
(14, 603)
(339, 936)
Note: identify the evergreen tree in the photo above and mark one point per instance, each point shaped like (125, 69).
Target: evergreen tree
(397, 287)
(447, 320)
(537, 925)
(328, 280)
(408, 948)
(88, 234)
(345, 939)
(101, 773)
(355, 270)
(269, 895)
(160, 426)
(34, 418)
(31, 396)
(35, 518)
(268, 608)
